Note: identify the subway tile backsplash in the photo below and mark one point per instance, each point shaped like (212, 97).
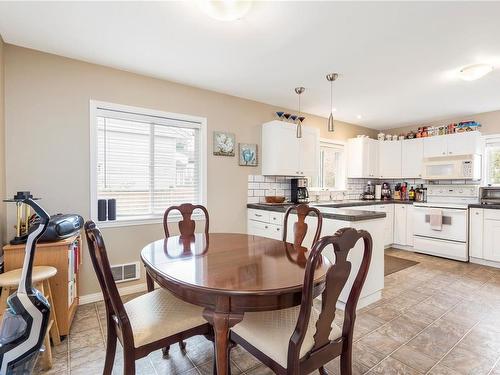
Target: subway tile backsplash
(261, 186)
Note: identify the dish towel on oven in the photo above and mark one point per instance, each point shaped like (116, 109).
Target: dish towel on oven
(436, 219)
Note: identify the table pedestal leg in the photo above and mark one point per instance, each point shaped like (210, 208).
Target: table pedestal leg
(222, 322)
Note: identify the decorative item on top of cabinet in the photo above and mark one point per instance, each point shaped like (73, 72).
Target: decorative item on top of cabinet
(223, 143)
(65, 256)
(247, 154)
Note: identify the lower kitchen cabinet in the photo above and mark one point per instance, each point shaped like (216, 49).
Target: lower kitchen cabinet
(491, 233)
(409, 225)
(484, 236)
(400, 225)
(265, 223)
(476, 217)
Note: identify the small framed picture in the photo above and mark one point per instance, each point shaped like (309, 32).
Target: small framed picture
(224, 144)
(248, 154)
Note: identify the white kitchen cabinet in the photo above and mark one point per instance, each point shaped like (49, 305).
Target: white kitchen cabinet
(491, 235)
(362, 158)
(265, 223)
(452, 144)
(400, 227)
(389, 222)
(409, 225)
(476, 216)
(412, 153)
(435, 146)
(389, 157)
(283, 154)
(464, 143)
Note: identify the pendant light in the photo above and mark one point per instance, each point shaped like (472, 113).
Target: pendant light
(331, 77)
(298, 91)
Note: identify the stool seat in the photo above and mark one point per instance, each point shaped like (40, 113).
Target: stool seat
(40, 273)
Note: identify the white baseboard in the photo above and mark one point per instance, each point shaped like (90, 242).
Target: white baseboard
(96, 297)
(484, 262)
(363, 301)
(401, 247)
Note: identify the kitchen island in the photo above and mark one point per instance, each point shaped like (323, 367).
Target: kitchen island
(267, 221)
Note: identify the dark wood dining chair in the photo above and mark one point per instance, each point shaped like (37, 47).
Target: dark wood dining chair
(300, 226)
(301, 339)
(150, 322)
(187, 225)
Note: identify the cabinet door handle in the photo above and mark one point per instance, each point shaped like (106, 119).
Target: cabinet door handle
(444, 153)
(450, 152)
(278, 229)
(258, 215)
(266, 226)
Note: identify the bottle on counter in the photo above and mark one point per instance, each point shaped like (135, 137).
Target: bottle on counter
(404, 191)
(411, 194)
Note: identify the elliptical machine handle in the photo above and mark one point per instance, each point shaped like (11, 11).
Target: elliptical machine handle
(42, 214)
(25, 284)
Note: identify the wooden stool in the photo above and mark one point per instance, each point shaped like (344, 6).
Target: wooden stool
(9, 281)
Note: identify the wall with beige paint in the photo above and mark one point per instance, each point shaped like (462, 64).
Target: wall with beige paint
(2, 145)
(490, 122)
(47, 132)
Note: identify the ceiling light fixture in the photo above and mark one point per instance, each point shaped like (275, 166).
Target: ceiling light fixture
(476, 71)
(298, 91)
(331, 77)
(225, 10)
(359, 117)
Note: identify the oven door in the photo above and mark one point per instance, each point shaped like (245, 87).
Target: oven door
(454, 226)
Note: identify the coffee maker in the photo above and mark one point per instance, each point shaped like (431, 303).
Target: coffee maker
(299, 193)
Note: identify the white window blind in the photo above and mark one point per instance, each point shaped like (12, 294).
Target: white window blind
(147, 162)
(492, 160)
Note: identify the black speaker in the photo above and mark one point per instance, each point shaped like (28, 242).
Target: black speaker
(101, 210)
(111, 209)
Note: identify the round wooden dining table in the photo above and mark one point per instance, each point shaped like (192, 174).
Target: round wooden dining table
(229, 274)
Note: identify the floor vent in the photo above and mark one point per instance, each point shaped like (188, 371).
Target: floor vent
(126, 272)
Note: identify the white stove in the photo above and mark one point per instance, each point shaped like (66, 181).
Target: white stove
(441, 224)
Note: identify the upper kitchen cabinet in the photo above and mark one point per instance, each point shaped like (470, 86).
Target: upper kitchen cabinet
(412, 153)
(362, 158)
(283, 154)
(452, 144)
(390, 159)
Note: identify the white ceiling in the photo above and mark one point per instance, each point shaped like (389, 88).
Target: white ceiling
(396, 59)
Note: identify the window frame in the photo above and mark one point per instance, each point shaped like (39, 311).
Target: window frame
(487, 139)
(336, 144)
(94, 107)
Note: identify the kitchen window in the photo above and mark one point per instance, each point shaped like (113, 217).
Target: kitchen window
(492, 160)
(331, 165)
(147, 160)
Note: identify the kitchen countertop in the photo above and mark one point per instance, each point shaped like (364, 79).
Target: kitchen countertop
(357, 202)
(485, 206)
(328, 212)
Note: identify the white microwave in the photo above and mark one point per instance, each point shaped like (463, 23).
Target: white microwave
(462, 167)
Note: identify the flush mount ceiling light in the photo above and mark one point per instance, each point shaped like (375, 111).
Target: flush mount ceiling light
(476, 71)
(331, 77)
(225, 10)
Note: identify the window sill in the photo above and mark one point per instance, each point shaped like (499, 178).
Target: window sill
(143, 221)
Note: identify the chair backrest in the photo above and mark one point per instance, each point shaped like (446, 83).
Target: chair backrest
(112, 299)
(300, 226)
(336, 278)
(186, 225)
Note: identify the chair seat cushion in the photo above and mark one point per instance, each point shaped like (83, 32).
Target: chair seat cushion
(270, 332)
(40, 273)
(159, 314)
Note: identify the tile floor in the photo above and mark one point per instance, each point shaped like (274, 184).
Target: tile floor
(437, 317)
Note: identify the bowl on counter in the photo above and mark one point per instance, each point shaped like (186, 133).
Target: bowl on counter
(275, 199)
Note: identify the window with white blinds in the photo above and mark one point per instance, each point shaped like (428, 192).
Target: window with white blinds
(147, 160)
(492, 160)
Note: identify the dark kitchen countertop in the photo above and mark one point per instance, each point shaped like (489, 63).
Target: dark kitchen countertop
(357, 203)
(485, 206)
(328, 212)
